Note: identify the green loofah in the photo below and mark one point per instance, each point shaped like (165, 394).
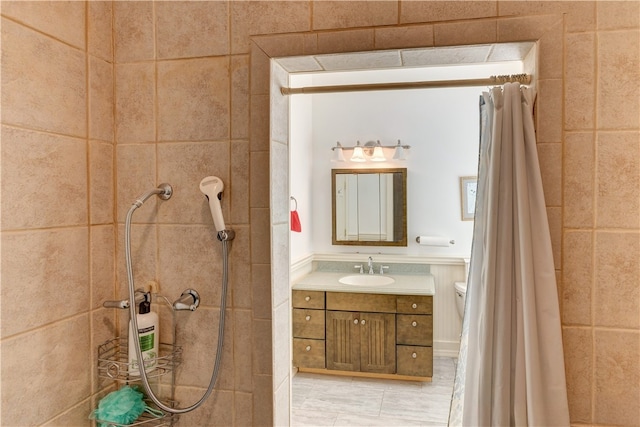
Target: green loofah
(122, 406)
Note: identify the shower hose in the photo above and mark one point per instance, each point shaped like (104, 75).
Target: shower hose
(134, 322)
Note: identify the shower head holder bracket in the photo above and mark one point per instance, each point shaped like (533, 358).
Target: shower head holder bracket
(226, 235)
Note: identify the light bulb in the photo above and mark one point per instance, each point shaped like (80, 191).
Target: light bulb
(398, 153)
(338, 155)
(378, 155)
(358, 154)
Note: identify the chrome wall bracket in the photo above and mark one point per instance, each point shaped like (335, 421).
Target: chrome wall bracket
(167, 191)
(189, 300)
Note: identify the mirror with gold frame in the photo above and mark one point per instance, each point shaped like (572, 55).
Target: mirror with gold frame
(369, 207)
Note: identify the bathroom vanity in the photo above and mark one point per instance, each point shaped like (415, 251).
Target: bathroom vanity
(383, 331)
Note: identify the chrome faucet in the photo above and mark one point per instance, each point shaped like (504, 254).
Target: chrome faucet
(370, 265)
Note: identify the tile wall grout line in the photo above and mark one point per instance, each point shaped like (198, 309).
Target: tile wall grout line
(594, 219)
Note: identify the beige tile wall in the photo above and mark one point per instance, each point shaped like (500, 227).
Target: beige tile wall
(183, 92)
(57, 208)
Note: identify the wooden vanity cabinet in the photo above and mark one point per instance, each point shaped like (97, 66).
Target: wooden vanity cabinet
(363, 334)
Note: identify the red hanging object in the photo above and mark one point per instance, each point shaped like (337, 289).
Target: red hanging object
(295, 222)
(295, 219)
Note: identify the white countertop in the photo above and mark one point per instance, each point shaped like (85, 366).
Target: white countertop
(404, 284)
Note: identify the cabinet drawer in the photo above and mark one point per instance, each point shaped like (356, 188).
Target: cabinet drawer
(308, 299)
(415, 361)
(414, 329)
(412, 304)
(308, 323)
(374, 303)
(308, 353)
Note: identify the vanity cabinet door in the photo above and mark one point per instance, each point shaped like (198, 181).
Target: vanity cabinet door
(415, 329)
(308, 299)
(308, 323)
(378, 343)
(362, 342)
(343, 340)
(415, 361)
(308, 353)
(414, 304)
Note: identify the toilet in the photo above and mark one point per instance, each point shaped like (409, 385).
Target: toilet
(460, 294)
(461, 289)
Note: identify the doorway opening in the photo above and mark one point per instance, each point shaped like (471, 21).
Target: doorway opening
(304, 145)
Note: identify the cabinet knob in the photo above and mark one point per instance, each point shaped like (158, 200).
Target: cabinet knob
(308, 348)
(414, 355)
(414, 324)
(307, 318)
(362, 322)
(307, 298)
(355, 322)
(414, 305)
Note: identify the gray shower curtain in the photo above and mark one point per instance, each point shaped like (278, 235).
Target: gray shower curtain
(511, 366)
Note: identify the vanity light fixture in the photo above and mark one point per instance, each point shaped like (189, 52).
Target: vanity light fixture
(372, 151)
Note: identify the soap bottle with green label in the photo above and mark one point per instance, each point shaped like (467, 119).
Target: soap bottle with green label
(149, 339)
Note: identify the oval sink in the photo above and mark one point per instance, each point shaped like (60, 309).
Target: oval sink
(366, 280)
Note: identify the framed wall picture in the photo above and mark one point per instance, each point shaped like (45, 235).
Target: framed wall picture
(468, 188)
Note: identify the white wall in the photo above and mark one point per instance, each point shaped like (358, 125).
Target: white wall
(300, 173)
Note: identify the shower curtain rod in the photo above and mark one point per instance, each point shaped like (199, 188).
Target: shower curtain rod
(493, 80)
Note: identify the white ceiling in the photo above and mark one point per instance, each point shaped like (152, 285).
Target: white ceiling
(405, 58)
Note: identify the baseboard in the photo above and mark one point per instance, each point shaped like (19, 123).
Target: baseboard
(446, 348)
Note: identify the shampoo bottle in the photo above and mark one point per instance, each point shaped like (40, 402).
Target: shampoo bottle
(149, 339)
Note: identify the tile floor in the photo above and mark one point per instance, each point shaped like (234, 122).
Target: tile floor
(325, 400)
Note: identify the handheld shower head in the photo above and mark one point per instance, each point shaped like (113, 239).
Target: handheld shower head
(212, 187)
